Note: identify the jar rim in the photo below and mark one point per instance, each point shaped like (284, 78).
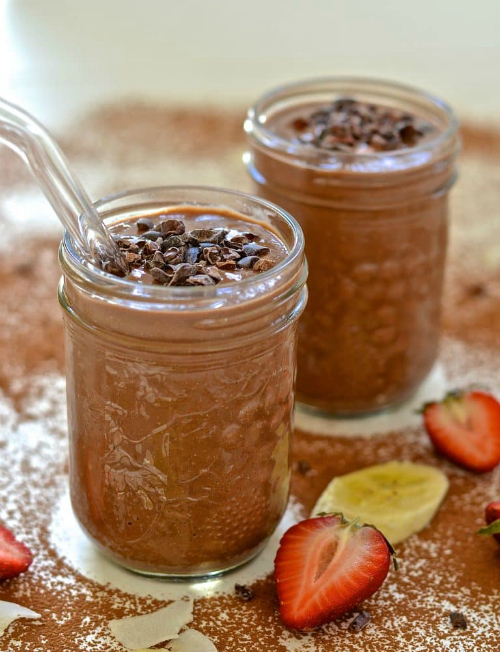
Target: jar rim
(74, 265)
(257, 129)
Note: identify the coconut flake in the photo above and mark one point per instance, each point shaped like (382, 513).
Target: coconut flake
(9, 611)
(138, 632)
(191, 640)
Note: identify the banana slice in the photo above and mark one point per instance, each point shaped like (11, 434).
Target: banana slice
(399, 498)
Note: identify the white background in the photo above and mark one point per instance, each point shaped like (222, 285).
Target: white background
(59, 56)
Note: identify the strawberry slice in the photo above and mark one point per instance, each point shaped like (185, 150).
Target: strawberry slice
(15, 557)
(325, 566)
(492, 516)
(465, 428)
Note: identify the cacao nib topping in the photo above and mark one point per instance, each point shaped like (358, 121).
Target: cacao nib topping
(172, 227)
(254, 249)
(151, 235)
(458, 620)
(174, 256)
(350, 126)
(360, 621)
(243, 592)
(192, 254)
(247, 262)
(303, 467)
(209, 236)
(144, 224)
(263, 264)
(226, 265)
(200, 279)
(160, 276)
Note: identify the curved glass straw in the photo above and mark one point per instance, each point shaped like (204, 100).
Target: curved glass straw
(26, 136)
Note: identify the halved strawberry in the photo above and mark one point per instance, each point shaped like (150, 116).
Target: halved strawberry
(15, 557)
(492, 516)
(465, 427)
(325, 566)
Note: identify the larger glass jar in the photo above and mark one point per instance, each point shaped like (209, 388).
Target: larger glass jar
(180, 399)
(375, 227)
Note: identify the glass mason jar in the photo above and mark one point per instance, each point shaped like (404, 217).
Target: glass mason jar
(375, 227)
(180, 399)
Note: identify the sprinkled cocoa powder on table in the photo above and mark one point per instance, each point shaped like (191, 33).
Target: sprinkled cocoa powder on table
(444, 569)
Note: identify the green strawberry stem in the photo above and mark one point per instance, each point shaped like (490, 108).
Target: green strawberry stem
(491, 529)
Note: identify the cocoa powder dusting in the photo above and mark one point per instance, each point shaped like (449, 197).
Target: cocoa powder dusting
(444, 569)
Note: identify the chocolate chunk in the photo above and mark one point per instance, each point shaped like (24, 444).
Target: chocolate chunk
(174, 256)
(262, 265)
(477, 290)
(247, 262)
(212, 254)
(133, 259)
(149, 248)
(299, 124)
(181, 273)
(243, 592)
(209, 236)
(229, 254)
(378, 142)
(160, 276)
(191, 255)
(233, 246)
(239, 239)
(172, 241)
(151, 235)
(25, 268)
(143, 224)
(458, 620)
(359, 622)
(214, 273)
(122, 242)
(409, 135)
(172, 227)
(112, 268)
(254, 249)
(303, 467)
(157, 259)
(200, 279)
(226, 265)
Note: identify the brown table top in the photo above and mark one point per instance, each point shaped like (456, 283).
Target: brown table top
(445, 568)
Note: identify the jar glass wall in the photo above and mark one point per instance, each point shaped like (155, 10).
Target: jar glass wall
(180, 400)
(375, 226)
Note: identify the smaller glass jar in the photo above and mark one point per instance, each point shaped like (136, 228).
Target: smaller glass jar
(375, 226)
(180, 399)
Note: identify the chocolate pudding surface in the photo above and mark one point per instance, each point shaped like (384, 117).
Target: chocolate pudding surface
(193, 246)
(368, 184)
(443, 569)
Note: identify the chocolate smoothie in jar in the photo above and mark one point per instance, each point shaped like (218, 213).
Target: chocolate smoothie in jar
(180, 378)
(365, 167)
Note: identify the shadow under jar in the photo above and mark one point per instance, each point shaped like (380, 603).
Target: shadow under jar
(375, 223)
(180, 399)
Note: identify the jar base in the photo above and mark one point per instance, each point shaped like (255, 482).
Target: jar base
(326, 413)
(197, 576)
(205, 572)
(433, 386)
